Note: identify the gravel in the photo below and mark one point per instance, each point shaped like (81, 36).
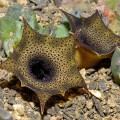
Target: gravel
(81, 107)
(22, 104)
(5, 115)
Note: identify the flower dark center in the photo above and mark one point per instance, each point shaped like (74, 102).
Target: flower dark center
(42, 69)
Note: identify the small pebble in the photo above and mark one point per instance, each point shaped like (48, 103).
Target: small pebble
(16, 116)
(55, 118)
(102, 70)
(102, 86)
(68, 104)
(32, 105)
(111, 103)
(89, 104)
(81, 117)
(10, 107)
(1, 104)
(11, 100)
(91, 112)
(25, 118)
(90, 71)
(5, 115)
(98, 106)
(47, 117)
(19, 108)
(107, 110)
(51, 111)
(93, 85)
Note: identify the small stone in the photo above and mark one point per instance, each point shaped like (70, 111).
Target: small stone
(115, 118)
(108, 72)
(4, 3)
(16, 116)
(107, 118)
(67, 117)
(13, 93)
(93, 85)
(32, 105)
(84, 110)
(19, 108)
(89, 104)
(90, 71)
(61, 104)
(11, 100)
(81, 117)
(51, 111)
(92, 111)
(53, 11)
(98, 106)
(68, 104)
(24, 118)
(6, 105)
(82, 100)
(101, 71)
(4, 115)
(102, 86)
(55, 118)
(97, 117)
(22, 1)
(47, 117)
(107, 110)
(1, 104)
(57, 109)
(111, 102)
(10, 107)
(117, 108)
(95, 77)
(96, 93)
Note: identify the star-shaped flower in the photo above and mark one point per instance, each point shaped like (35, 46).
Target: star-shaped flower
(96, 41)
(44, 64)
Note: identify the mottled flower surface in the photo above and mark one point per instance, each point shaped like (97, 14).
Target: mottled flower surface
(44, 64)
(96, 41)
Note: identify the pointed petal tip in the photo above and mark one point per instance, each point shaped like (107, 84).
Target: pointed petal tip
(25, 23)
(42, 107)
(63, 11)
(42, 99)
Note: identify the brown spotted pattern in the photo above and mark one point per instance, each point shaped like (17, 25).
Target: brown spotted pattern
(53, 58)
(93, 34)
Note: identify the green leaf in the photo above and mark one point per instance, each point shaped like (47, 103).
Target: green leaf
(7, 26)
(44, 30)
(18, 33)
(8, 47)
(14, 40)
(14, 11)
(61, 31)
(30, 16)
(11, 26)
(115, 65)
